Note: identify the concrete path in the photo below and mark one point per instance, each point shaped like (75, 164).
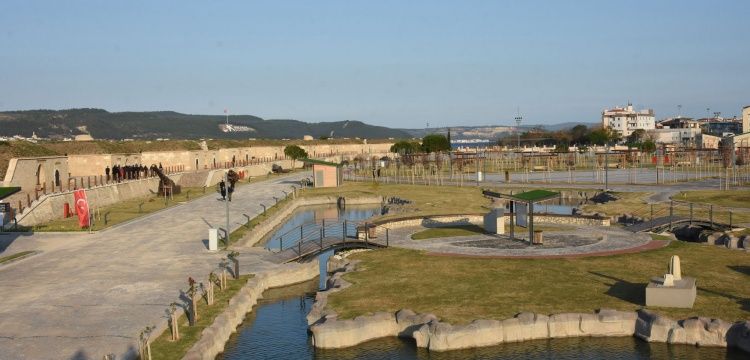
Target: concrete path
(85, 296)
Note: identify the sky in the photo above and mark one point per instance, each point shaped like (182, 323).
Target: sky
(392, 63)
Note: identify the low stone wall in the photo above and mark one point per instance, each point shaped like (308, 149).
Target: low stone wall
(262, 230)
(426, 329)
(50, 207)
(214, 338)
(478, 219)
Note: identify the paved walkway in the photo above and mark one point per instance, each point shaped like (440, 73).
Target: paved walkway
(595, 241)
(85, 296)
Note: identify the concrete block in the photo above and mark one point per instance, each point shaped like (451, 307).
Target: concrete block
(681, 295)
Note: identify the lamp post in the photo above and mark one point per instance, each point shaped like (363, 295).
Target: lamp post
(518, 119)
(606, 167)
(226, 205)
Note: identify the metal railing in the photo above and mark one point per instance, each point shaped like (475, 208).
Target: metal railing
(327, 233)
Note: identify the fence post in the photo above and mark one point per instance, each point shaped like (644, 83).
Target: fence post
(652, 211)
(691, 213)
(671, 213)
(367, 231)
(300, 232)
(299, 248)
(281, 244)
(386, 237)
(323, 229)
(321, 239)
(711, 214)
(343, 232)
(730, 220)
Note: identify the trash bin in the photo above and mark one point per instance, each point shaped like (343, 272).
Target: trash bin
(538, 237)
(213, 239)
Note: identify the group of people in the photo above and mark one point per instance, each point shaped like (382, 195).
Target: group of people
(128, 172)
(225, 189)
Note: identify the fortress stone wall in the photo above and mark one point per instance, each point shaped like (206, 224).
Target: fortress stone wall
(37, 172)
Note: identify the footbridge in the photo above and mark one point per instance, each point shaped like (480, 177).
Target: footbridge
(667, 216)
(313, 238)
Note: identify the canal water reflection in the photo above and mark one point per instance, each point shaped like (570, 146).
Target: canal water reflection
(277, 329)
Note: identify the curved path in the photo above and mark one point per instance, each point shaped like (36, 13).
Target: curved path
(598, 241)
(85, 296)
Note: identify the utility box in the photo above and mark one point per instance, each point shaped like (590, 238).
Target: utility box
(213, 239)
(494, 221)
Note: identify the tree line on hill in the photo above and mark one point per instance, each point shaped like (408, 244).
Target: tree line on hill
(101, 124)
(581, 136)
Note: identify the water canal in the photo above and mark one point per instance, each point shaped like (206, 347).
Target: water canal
(277, 327)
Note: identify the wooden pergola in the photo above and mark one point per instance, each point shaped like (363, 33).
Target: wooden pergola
(528, 197)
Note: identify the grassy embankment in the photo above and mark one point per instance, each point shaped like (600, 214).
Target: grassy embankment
(163, 348)
(460, 289)
(15, 256)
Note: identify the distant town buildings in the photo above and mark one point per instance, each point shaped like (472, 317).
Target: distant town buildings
(625, 120)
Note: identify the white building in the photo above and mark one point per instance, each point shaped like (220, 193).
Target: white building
(678, 136)
(626, 120)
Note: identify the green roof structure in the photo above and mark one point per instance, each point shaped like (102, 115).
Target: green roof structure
(526, 196)
(319, 162)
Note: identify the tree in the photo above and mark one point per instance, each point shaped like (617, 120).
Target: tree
(435, 143)
(405, 147)
(648, 146)
(579, 134)
(636, 137)
(294, 152)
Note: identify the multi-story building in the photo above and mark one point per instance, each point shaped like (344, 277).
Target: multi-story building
(625, 120)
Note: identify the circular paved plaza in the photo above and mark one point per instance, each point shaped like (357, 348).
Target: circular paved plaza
(573, 241)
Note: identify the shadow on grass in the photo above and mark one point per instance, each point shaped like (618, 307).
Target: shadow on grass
(634, 293)
(741, 269)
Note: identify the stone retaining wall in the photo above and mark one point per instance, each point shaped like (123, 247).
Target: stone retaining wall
(50, 207)
(265, 228)
(426, 329)
(214, 338)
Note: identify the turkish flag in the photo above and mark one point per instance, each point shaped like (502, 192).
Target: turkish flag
(82, 207)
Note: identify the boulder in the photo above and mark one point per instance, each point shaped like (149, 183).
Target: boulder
(705, 332)
(437, 336)
(730, 241)
(652, 327)
(739, 335)
(526, 326)
(745, 242)
(332, 333)
(710, 237)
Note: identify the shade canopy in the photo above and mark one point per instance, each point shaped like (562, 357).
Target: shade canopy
(531, 196)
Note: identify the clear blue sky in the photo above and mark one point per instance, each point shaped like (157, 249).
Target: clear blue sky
(392, 63)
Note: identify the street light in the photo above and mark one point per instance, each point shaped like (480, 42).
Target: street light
(518, 119)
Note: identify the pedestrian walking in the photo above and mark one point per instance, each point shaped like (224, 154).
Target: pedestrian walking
(223, 190)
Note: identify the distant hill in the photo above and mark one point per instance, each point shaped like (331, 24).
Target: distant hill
(102, 124)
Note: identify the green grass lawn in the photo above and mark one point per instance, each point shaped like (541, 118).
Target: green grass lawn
(441, 232)
(14, 256)
(163, 348)
(426, 200)
(734, 198)
(461, 289)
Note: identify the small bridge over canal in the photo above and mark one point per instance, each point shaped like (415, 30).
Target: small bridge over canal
(313, 238)
(667, 216)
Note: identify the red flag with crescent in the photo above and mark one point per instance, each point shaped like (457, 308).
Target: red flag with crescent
(82, 207)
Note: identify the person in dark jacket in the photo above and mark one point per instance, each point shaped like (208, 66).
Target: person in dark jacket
(223, 190)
